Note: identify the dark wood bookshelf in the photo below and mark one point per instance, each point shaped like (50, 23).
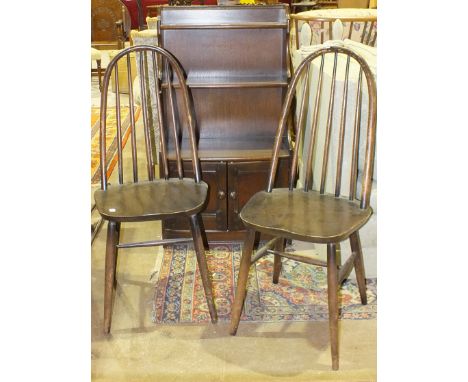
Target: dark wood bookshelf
(235, 58)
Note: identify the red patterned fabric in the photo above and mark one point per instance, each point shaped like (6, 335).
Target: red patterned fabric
(133, 8)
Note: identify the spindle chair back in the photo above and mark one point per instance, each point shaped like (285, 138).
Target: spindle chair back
(162, 67)
(338, 115)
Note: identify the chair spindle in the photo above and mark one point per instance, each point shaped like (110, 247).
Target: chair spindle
(118, 122)
(350, 29)
(154, 145)
(281, 128)
(370, 144)
(363, 32)
(329, 126)
(173, 120)
(296, 25)
(344, 105)
(370, 32)
(102, 140)
(162, 132)
(299, 129)
(374, 40)
(132, 120)
(144, 102)
(309, 173)
(322, 31)
(357, 126)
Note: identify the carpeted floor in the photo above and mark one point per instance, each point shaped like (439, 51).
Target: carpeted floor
(300, 295)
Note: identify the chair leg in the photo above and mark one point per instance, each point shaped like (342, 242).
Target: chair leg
(98, 63)
(109, 283)
(236, 309)
(117, 241)
(203, 266)
(359, 266)
(206, 245)
(279, 246)
(332, 278)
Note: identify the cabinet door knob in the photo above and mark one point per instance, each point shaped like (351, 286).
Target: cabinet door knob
(221, 194)
(233, 194)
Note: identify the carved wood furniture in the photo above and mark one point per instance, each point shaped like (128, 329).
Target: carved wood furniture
(136, 198)
(236, 63)
(308, 213)
(108, 24)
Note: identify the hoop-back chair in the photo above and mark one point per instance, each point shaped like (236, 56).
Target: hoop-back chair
(139, 199)
(308, 213)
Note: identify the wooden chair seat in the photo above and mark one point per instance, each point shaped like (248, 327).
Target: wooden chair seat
(307, 216)
(151, 200)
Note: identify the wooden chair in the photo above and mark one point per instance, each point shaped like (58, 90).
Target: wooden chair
(308, 213)
(140, 200)
(366, 32)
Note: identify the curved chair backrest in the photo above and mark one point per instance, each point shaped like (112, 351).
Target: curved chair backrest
(329, 118)
(173, 109)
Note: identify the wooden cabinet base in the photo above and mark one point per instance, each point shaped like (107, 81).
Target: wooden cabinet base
(230, 185)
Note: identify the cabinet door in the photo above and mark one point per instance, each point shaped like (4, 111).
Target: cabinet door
(214, 216)
(244, 180)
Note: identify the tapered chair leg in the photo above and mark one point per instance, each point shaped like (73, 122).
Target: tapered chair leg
(203, 266)
(279, 246)
(117, 241)
(206, 245)
(99, 71)
(359, 266)
(109, 278)
(332, 278)
(236, 309)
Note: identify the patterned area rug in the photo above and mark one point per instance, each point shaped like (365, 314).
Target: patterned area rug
(111, 141)
(300, 295)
